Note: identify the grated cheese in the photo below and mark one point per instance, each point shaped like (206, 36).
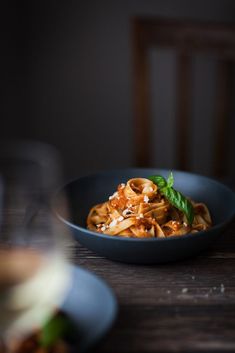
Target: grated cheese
(146, 199)
(126, 212)
(113, 223)
(113, 196)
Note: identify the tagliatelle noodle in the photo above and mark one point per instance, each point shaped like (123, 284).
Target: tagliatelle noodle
(137, 209)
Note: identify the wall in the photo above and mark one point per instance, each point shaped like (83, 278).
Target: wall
(67, 74)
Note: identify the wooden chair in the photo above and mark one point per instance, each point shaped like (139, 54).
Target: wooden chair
(187, 38)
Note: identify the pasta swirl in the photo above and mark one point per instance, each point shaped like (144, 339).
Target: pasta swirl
(137, 209)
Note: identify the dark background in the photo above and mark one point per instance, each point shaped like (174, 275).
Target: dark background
(67, 80)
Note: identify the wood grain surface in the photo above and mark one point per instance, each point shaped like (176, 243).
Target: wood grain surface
(185, 306)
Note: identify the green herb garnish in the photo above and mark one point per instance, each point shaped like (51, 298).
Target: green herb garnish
(173, 196)
(56, 327)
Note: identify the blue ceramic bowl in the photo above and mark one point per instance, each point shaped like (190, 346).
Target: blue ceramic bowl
(92, 306)
(87, 191)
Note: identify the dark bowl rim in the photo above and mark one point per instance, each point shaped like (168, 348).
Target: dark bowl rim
(221, 225)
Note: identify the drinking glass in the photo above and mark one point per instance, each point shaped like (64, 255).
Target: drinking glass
(34, 271)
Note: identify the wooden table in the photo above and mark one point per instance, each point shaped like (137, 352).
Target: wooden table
(187, 306)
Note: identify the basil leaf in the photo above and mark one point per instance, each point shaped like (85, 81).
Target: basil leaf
(173, 196)
(179, 201)
(54, 329)
(170, 180)
(158, 180)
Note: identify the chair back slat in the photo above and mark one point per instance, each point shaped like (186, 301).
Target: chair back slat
(222, 115)
(188, 39)
(141, 101)
(183, 109)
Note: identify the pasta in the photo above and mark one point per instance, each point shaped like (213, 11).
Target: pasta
(139, 210)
